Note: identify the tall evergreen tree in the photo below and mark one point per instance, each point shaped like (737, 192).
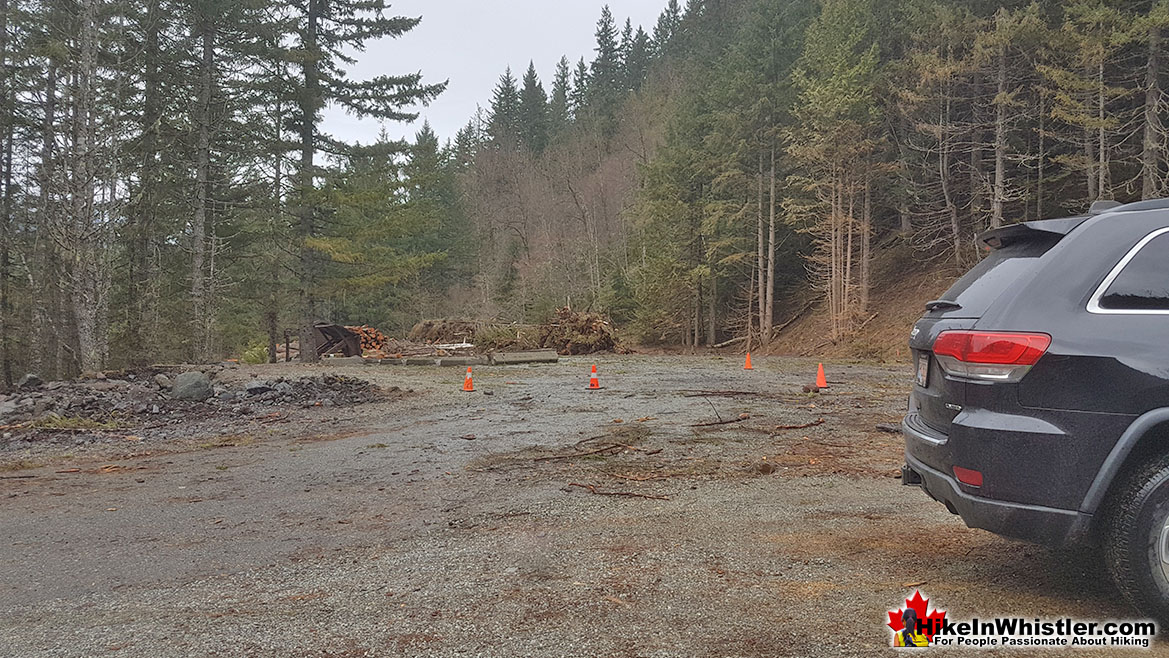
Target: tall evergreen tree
(325, 34)
(667, 26)
(580, 89)
(637, 63)
(467, 142)
(1096, 38)
(625, 48)
(504, 124)
(533, 112)
(834, 145)
(605, 72)
(559, 111)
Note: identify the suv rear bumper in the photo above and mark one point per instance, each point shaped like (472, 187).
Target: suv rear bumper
(1041, 525)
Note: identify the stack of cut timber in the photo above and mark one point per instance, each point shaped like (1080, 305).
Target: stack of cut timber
(372, 340)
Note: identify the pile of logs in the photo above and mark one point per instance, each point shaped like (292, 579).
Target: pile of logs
(372, 340)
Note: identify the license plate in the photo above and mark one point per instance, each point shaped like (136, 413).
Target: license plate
(923, 370)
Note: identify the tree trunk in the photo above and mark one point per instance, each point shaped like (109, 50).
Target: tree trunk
(761, 264)
(45, 275)
(1000, 144)
(711, 316)
(977, 196)
(199, 293)
(906, 221)
(310, 103)
(866, 246)
(1102, 135)
(6, 309)
(769, 309)
(1041, 165)
(140, 341)
(944, 176)
(6, 124)
(750, 308)
(274, 288)
(696, 311)
(834, 266)
(846, 311)
(86, 234)
(1090, 167)
(1150, 165)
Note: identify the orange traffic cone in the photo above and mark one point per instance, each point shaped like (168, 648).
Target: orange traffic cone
(748, 365)
(594, 383)
(821, 381)
(468, 384)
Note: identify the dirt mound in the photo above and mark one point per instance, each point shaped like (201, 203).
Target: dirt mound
(571, 332)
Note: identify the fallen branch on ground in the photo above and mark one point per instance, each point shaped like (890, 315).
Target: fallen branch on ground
(581, 454)
(818, 348)
(728, 343)
(629, 494)
(649, 478)
(648, 452)
(797, 316)
(729, 394)
(799, 427)
(578, 444)
(866, 322)
(720, 422)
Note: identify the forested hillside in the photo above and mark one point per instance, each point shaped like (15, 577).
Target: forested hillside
(772, 150)
(169, 193)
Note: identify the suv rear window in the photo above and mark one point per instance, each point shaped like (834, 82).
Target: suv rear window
(975, 291)
(1143, 284)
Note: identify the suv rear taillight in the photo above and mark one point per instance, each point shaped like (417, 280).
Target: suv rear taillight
(998, 357)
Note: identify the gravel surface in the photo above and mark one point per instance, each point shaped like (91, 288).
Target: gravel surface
(441, 523)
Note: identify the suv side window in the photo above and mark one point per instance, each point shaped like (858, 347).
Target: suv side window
(1143, 284)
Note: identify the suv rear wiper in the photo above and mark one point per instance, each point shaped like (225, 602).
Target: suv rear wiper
(939, 304)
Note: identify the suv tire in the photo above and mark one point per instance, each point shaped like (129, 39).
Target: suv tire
(1136, 540)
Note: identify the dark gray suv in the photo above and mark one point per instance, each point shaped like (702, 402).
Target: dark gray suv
(1041, 406)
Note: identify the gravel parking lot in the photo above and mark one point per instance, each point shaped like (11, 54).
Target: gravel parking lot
(530, 518)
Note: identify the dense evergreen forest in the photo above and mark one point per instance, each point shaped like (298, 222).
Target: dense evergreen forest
(169, 193)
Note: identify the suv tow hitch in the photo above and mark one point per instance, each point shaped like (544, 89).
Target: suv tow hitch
(909, 477)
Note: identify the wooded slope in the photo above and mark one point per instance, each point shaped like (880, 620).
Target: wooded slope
(169, 193)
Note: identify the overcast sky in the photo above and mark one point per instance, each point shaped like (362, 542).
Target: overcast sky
(470, 43)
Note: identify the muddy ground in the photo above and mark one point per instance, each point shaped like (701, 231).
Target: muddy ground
(439, 523)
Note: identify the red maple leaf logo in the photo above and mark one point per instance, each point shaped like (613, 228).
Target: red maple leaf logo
(931, 622)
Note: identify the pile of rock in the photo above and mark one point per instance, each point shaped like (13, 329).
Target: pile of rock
(102, 399)
(90, 399)
(323, 390)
